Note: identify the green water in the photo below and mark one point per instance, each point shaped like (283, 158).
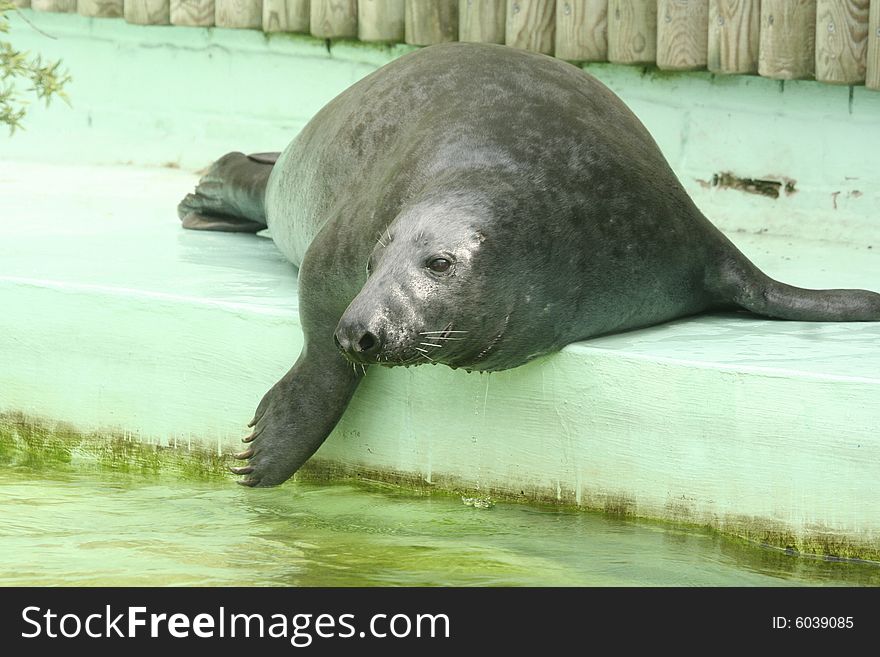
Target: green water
(73, 528)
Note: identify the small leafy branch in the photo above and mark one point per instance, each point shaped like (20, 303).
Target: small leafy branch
(46, 80)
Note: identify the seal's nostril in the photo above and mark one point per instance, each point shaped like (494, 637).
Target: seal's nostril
(367, 343)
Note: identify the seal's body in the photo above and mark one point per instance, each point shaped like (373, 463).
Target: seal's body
(476, 206)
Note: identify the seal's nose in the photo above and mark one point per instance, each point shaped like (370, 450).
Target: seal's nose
(357, 341)
(368, 344)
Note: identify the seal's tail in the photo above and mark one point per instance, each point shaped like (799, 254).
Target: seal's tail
(740, 282)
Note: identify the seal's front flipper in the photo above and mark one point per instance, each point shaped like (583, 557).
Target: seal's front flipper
(296, 415)
(299, 412)
(231, 195)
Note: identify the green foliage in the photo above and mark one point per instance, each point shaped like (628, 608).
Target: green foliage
(17, 69)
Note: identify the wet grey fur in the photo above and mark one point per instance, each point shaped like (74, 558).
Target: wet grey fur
(557, 214)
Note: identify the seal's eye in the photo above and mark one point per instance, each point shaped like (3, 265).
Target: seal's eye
(439, 265)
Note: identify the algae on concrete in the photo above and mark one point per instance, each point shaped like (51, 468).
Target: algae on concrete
(38, 443)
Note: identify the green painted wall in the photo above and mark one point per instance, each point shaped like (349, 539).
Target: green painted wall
(155, 95)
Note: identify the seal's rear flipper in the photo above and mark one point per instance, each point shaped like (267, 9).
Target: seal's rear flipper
(230, 196)
(743, 284)
(196, 221)
(264, 158)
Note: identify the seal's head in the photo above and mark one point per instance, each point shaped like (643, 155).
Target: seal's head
(432, 293)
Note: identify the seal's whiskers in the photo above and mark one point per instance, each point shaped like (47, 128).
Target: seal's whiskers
(424, 354)
(430, 344)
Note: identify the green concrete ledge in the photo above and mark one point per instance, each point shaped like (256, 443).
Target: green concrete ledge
(120, 329)
(120, 324)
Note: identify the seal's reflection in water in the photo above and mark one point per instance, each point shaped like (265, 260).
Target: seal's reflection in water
(106, 528)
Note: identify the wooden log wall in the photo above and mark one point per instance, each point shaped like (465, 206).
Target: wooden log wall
(238, 13)
(841, 41)
(100, 8)
(531, 25)
(632, 32)
(147, 12)
(582, 30)
(427, 22)
(381, 20)
(331, 19)
(872, 81)
(482, 21)
(682, 34)
(286, 16)
(787, 48)
(192, 13)
(832, 41)
(733, 36)
(60, 6)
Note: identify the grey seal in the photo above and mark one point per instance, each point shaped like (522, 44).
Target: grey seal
(476, 206)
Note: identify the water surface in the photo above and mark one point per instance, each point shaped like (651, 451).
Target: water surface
(105, 528)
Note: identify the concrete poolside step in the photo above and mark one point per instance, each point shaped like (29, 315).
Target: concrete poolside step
(113, 318)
